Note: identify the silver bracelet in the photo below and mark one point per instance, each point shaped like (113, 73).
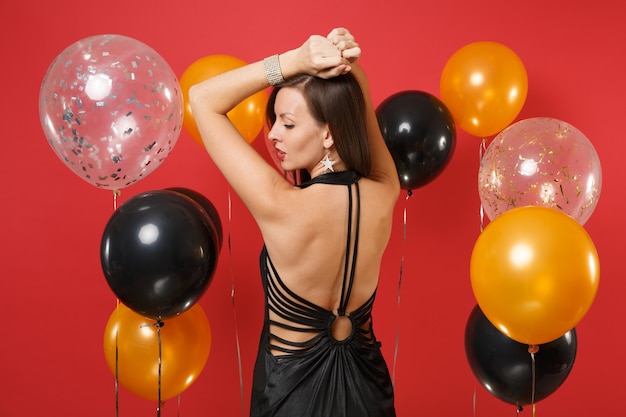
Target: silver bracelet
(273, 73)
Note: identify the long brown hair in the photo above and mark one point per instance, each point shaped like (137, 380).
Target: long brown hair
(338, 102)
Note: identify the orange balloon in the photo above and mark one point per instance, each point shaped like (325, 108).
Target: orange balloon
(185, 347)
(484, 85)
(248, 116)
(535, 273)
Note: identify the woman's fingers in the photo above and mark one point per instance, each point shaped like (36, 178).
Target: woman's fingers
(322, 56)
(345, 43)
(329, 56)
(339, 33)
(341, 37)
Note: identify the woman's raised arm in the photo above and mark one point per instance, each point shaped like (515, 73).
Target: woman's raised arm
(383, 166)
(252, 178)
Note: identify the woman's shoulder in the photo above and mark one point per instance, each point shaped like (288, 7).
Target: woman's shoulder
(317, 199)
(386, 189)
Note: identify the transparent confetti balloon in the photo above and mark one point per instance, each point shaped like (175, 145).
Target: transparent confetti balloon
(111, 109)
(540, 162)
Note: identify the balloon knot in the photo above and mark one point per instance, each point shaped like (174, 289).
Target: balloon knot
(533, 348)
(158, 323)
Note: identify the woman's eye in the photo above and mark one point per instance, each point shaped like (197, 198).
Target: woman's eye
(288, 126)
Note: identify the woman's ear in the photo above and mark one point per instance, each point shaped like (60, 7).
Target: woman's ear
(328, 139)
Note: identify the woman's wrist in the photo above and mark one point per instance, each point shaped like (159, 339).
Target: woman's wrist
(288, 62)
(273, 71)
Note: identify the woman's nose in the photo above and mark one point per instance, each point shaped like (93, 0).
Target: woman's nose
(272, 134)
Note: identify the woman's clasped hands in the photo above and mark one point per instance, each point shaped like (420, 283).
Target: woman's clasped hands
(329, 56)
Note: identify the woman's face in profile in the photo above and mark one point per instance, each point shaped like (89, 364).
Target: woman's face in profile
(296, 135)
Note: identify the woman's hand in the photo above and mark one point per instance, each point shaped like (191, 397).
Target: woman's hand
(345, 43)
(327, 57)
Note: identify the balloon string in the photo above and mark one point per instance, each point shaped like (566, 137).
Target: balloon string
(474, 403)
(178, 413)
(158, 325)
(481, 152)
(482, 218)
(532, 349)
(116, 194)
(483, 148)
(395, 352)
(117, 391)
(232, 297)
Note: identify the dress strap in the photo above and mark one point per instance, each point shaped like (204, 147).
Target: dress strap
(336, 177)
(350, 179)
(351, 247)
(295, 313)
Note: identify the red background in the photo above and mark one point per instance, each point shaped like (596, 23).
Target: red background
(55, 301)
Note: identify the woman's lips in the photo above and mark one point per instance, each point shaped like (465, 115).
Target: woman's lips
(280, 154)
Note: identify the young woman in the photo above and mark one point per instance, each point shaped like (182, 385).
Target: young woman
(324, 238)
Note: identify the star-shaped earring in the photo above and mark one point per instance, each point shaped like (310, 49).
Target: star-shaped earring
(328, 163)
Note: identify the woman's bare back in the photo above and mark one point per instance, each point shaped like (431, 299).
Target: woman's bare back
(309, 249)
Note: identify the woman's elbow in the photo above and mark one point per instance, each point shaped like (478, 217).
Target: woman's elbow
(193, 96)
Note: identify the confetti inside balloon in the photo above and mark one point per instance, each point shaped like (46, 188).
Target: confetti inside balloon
(540, 162)
(111, 109)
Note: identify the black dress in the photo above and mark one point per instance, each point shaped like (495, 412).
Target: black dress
(322, 377)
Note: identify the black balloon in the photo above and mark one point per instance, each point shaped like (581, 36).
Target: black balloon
(504, 366)
(206, 204)
(159, 253)
(420, 134)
